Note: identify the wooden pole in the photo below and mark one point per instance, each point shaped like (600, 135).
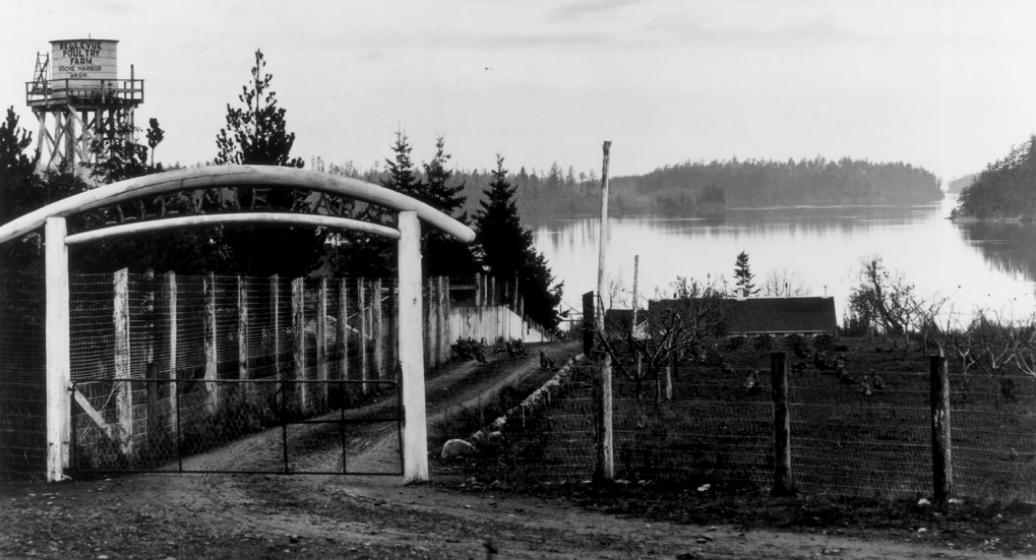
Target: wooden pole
(59, 370)
(379, 331)
(942, 466)
(444, 310)
(361, 315)
(123, 386)
(633, 320)
(429, 321)
(275, 303)
(209, 344)
(441, 346)
(323, 388)
(174, 394)
(411, 352)
(343, 327)
(298, 326)
(242, 328)
(782, 480)
(478, 289)
(605, 464)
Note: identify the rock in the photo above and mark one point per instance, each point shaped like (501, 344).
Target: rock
(457, 448)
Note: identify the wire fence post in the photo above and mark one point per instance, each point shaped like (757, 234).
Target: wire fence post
(782, 479)
(123, 387)
(942, 467)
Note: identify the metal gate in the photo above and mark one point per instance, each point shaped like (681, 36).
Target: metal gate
(271, 426)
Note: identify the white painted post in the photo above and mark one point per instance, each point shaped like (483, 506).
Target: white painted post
(123, 387)
(174, 421)
(209, 346)
(59, 370)
(411, 351)
(379, 332)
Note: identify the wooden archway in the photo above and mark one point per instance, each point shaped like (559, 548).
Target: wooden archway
(407, 233)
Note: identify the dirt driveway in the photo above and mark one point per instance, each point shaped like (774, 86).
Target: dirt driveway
(277, 516)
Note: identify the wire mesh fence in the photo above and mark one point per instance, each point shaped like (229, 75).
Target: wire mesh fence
(228, 425)
(853, 431)
(22, 362)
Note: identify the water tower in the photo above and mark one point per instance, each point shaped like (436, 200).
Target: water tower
(74, 92)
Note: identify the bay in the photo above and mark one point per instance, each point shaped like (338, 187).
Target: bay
(989, 267)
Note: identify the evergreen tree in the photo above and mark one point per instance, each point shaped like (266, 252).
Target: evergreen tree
(256, 134)
(508, 252)
(119, 156)
(401, 176)
(744, 279)
(19, 185)
(438, 191)
(445, 256)
(22, 190)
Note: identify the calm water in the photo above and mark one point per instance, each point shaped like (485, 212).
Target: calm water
(989, 267)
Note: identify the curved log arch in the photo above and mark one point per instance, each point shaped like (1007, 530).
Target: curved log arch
(229, 176)
(242, 217)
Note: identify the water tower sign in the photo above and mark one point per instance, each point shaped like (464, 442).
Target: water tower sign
(84, 59)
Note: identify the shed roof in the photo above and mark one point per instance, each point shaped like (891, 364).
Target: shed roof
(770, 315)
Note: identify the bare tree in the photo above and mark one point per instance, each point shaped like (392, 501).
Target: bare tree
(676, 329)
(783, 283)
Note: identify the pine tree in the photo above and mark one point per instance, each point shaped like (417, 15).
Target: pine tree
(119, 156)
(256, 134)
(507, 249)
(438, 191)
(445, 256)
(401, 176)
(743, 276)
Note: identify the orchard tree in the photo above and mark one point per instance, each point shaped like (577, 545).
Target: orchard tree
(508, 251)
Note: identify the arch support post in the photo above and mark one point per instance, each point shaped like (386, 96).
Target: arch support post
(411, 349)
(59, 375)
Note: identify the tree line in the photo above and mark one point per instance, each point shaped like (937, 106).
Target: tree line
(256, 132)
(707, 189)
(1004, 189)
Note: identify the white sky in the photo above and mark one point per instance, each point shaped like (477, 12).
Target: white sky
(943, 84)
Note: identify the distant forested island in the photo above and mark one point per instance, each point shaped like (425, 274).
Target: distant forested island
(1004, 190)
(708, 189)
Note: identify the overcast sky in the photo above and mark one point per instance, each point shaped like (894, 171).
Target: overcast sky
(946, 85)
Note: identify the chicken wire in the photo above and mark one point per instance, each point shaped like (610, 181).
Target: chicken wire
(860, 435)
(22, 374)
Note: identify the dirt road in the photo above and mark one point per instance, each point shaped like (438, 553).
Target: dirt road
(278, 516)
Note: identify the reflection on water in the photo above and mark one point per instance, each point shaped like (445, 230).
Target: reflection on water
(988, 266)
(1008, 247)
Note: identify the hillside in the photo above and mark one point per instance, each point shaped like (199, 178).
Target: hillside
(1004, 190)
(707, 189)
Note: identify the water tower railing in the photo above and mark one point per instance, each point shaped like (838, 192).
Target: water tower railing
(68, 90)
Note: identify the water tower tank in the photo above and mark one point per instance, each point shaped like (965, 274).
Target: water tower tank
(84, 62)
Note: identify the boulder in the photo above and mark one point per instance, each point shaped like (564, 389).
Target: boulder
(457, 448)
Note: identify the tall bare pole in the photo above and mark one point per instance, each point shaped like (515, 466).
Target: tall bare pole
(605, 463)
